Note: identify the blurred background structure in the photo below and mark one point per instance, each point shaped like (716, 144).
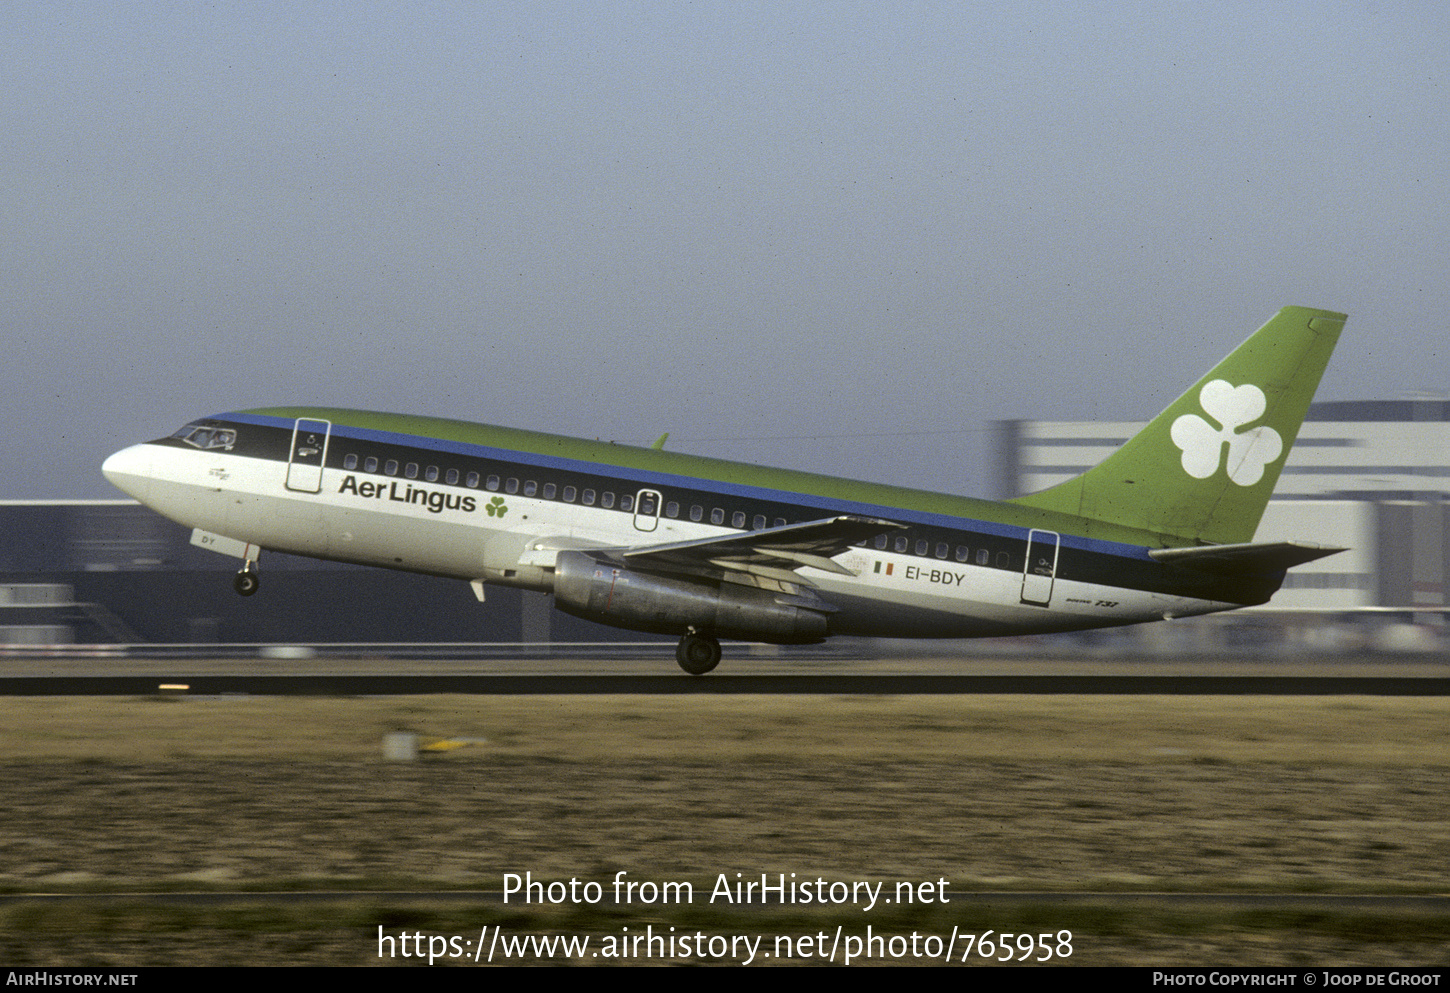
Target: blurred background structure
(1372, 476)
(112, 571)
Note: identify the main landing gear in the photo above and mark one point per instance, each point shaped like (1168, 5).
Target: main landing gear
(246, 581)
(698, 654)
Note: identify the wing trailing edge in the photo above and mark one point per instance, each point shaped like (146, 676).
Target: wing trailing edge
(771, 553)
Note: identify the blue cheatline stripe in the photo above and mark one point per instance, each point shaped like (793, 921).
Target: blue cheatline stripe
(834, 505)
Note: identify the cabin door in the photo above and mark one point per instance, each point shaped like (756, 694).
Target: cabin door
(308, 455)
(1041, 568)
(646, 510)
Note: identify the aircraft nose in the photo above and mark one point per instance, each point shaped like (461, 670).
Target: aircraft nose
(129, 470)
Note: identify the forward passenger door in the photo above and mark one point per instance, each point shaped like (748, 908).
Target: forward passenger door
(308, 454)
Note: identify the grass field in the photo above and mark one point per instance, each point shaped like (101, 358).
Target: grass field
(1069, 794)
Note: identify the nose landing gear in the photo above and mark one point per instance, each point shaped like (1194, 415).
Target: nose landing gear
(246, 581)
(697, 654)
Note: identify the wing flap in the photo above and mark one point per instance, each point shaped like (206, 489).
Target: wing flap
(771, 553)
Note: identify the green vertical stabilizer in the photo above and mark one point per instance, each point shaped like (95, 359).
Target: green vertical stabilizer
(1204, 469)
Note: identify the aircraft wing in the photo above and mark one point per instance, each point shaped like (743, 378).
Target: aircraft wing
(771, 553)
(1239, 560)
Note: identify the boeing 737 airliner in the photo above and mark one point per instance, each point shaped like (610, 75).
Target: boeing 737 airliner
(650, 540)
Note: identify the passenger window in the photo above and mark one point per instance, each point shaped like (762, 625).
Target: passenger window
(511, 485)
(431, 474)
(983, 556)
(588, 498)
(921, 545)
(881, 541)
(758, 523)
(391, 467)
(697, 512)
(530, 487)
(717, 516)
(941, 549)
(411, 470)
(370, 464)
(963, 552)
(626, 502)
(901, 544)
(452, 478)
(606, 500)
(492, 483)
(780, 523)
(569, 494)
(1004, 560)
(350, 462)
(472, 481)
(737, 519)
(549, 490)
(672, 509)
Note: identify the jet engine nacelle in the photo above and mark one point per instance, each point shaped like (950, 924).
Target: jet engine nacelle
(596, 590)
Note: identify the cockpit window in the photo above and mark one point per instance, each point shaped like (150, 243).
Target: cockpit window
(201, 436)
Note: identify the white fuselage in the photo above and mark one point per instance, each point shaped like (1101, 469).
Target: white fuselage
(511, 534)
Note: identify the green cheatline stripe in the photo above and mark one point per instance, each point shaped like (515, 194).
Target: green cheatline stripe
(607, 454)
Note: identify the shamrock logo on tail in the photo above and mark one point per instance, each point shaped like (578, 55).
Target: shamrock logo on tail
(495, 507)
(1248, 451)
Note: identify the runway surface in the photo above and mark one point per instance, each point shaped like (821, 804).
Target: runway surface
(302, 671)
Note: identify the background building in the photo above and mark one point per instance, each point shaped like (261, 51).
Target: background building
(1372, 476)
(105, 571)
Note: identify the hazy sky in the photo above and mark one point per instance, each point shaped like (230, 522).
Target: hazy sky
(840, 237)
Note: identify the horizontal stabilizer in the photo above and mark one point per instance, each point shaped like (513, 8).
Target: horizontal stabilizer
(1244, 560)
